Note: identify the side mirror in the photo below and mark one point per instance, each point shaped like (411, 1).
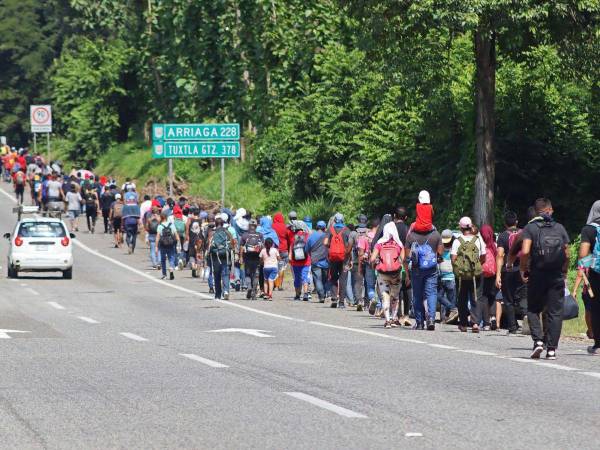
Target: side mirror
(7, 236)
(72, 235)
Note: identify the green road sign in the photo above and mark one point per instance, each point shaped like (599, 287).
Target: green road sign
(195, 132)
(195, 149)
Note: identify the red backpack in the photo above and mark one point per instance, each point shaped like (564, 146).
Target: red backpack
(389, 257)
(337, 248)
(489, 266)
(511, 240)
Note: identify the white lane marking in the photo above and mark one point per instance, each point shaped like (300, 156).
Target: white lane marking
(478, 352)
(200, 359)
(23, 285)
(13, 280)
(522, 360)
(4, 333)
(370, 333)
(446, 347)
(32, 291)
(180, 288)
(556, 366)
(326, 405)
(56, 305)
(87, 319)
(134, 337)
(591, 374)
(413, 434)
(248, 331)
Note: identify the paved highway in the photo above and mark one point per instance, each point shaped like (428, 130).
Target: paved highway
(117, 358)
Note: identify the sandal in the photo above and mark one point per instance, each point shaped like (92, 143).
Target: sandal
(475, 329)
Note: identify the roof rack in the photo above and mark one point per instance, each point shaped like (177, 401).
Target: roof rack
(23, 210)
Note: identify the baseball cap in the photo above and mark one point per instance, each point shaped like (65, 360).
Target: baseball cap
(424, 197)
(339, 217)
(117, 196)
(465, 222)
(321, 225)
(446, 236)
(293, 215)
(362, 219)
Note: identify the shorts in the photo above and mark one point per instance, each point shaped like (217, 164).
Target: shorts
(283, 261)
(117, 223)
(74, 214)
(270, 273)
(301, 275)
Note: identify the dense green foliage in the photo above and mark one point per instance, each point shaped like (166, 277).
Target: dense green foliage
(350, 104)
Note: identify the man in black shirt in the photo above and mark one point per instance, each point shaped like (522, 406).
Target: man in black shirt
(507, 277)
(546, 243)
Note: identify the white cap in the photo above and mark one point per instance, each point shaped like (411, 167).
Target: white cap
(117, 196)
(131, 187)
(424, 197)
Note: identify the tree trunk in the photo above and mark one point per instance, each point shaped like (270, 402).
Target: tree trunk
(485, 126)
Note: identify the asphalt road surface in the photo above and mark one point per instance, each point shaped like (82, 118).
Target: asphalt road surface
(117, 358)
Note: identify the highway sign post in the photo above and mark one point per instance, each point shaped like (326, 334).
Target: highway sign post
(196, 140)
(40, 117)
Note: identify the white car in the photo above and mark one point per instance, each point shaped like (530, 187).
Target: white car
(40, 244)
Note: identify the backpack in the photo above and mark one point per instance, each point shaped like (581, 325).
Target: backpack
(20, 178)
(489, 266)
(337, 248)
(220, 245)
(595, 265)
(389, 257)
(253, 244)
(512, 238)
(167, 239)
(118, 210)
(467, 265)
(180, 227)
(548, 251)
(422, 255)
(298, 252)
(90, 198)
(153, 225)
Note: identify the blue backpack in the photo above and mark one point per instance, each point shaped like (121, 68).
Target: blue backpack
(595, 265)
(422, 255)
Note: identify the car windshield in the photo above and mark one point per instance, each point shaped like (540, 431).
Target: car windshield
(42, 230)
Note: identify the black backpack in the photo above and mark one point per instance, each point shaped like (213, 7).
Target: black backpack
(548, 249)
(153, 225)
(90, 198)
(167, 238)
(253, 244)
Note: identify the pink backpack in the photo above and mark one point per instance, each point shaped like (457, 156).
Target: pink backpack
(389, 257)
(489, 266)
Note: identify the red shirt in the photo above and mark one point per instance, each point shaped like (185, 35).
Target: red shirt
(424, 220)
(305, 262)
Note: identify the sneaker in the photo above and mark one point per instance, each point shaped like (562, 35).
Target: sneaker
(593, 350)
(163, 277)
(418, 326)
(359, 307)
(452, 317)
(296, 298)
(333, 303)
(249, 294)
(225, 295)
(238, 286)
(194, 274)
(538, 348)
(430, 325)
(494, 324)
(387, 324)
(269, 297)
(211, 290)
(487, 328)
(475, 328)
(171, 275)
(321, 300)
(393, 324)
(372, 307)
(309, 297)
(551, 355)
(342, 304)
(180, 264)
(305, 298)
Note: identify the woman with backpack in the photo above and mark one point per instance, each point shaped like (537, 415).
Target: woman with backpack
(168, 238)
(489, 290)
(270, 259)
(387, 258)
(300, 259)
(152, 222)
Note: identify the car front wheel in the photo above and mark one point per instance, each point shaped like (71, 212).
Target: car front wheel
(12, 272)
(68, 274)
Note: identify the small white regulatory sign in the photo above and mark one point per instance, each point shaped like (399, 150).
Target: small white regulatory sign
(41, 118)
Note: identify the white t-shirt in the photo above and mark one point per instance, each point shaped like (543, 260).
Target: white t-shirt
(74, 201)
(269, 259)
(478, 242)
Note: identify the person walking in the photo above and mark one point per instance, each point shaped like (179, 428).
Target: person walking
(589, 265)
(220, 249)
(300, 259)
(270, 259)
(489, 290)
(545, 244)
(152, 223)
(74, 201)
(468, 255)
(387, 259)
(106, 200)
(447, 281)
(319, 263)
(168, 238)
(425, 244)
(336, 241)
(92, 205)
(284, 236)
(251, 244)
(116, 217)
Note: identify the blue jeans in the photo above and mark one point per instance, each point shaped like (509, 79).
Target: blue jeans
(424, 285)
(221, 276)
(167, 253)
(447, 295)
(154, 258)
(321, 281)
(370, 282)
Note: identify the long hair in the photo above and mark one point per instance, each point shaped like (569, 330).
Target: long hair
(268, 245)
